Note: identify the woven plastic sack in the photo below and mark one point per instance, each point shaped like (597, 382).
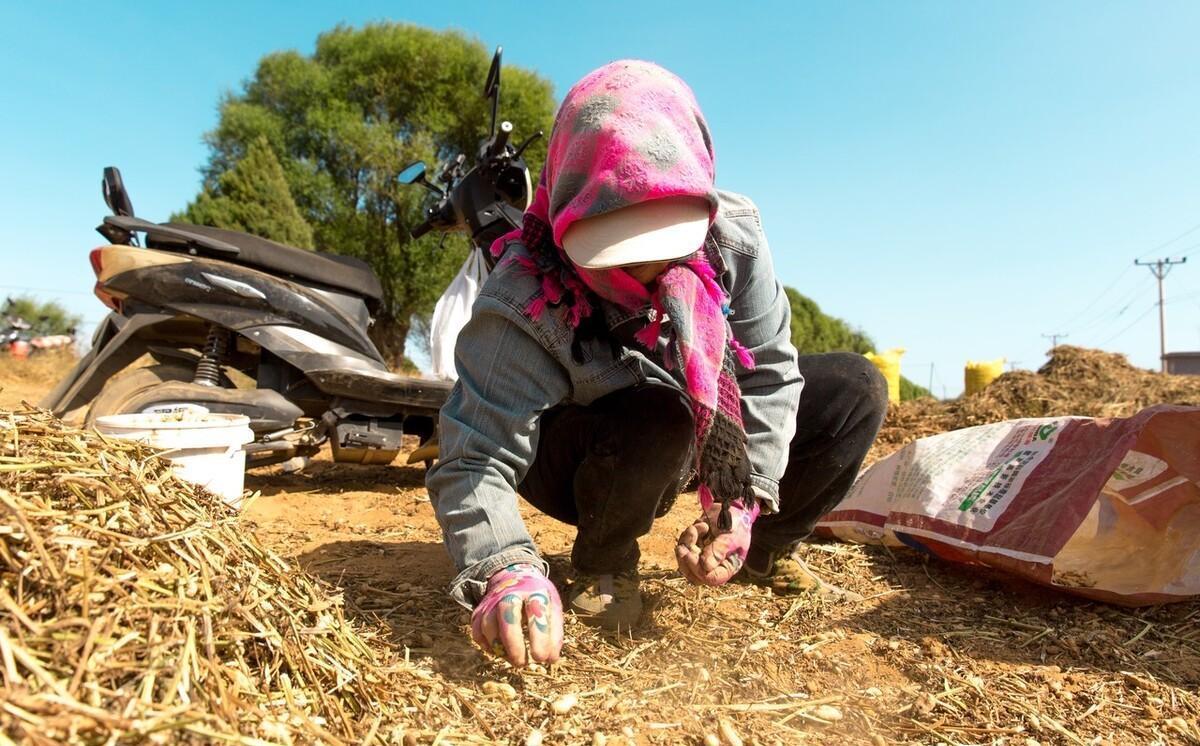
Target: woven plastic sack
(452, 312)
(888, 364)
(1108, 509)
(977, 375)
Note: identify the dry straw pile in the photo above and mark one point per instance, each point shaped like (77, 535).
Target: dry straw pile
(135, 607)
(1075, 381)
(136, 610)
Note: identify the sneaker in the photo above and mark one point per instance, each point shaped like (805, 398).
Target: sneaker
(786, 573)
(608, 601)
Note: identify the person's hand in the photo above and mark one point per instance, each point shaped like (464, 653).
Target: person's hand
(519, 601)
(707, 557)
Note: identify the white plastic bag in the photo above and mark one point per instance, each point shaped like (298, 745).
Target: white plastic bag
(452, 312)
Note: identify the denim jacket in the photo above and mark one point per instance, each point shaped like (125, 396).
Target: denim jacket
(512, 368)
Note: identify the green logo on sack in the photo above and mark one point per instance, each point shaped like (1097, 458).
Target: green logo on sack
(1045, 431)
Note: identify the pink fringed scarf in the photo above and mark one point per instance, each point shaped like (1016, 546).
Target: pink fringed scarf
(628, 133)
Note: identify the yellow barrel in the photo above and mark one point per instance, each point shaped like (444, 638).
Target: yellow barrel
(889, 365)
(977, 375)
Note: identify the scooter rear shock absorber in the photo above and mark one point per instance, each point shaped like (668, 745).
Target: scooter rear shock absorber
(208, 370)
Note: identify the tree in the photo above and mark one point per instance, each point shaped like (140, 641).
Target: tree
(45, 318)
(347, 119)
(910, 390)
(252, 196)
(814, 332)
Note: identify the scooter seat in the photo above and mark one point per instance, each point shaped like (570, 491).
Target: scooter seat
(336, 271)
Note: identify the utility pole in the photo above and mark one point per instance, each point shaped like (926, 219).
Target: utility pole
(1054, 339)
(1160, 269)
(1012, 365)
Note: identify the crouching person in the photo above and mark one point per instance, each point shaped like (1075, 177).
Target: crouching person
(634, 336)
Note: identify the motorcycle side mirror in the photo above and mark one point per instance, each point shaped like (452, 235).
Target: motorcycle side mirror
(491, 87)
(414, 173)
(115, 195)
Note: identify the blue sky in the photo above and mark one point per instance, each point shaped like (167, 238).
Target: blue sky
(954, 178)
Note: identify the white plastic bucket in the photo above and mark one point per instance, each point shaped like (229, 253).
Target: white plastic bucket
(203, 448)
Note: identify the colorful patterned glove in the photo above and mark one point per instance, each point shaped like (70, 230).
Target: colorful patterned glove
(519, 600)
(709, 557)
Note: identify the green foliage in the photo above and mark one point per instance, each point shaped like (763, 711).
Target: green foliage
(45, 318)
(814, 331)
(347, 119)
(252, 196)
(910, 390)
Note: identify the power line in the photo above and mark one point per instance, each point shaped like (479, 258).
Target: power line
(1115, 308)
(1160, 269)
(1132, 324)
(1071, 320)
(939, 379)
(1162, 246)
(1189, 249)
(1114, 311)
(1103, 293)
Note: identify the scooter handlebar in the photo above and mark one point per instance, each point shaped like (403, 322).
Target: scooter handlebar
(424, 227)
(496, 148)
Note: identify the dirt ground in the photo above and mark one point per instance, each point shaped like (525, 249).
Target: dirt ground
(29, 380)
(937, 654)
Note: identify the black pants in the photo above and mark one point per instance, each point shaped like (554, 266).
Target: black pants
(611, 467)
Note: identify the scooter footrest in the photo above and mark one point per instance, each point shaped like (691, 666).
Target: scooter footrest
(385, 388)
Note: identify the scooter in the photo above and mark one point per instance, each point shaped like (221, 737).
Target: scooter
(19, 341)
(14, 335)
(242, 325)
